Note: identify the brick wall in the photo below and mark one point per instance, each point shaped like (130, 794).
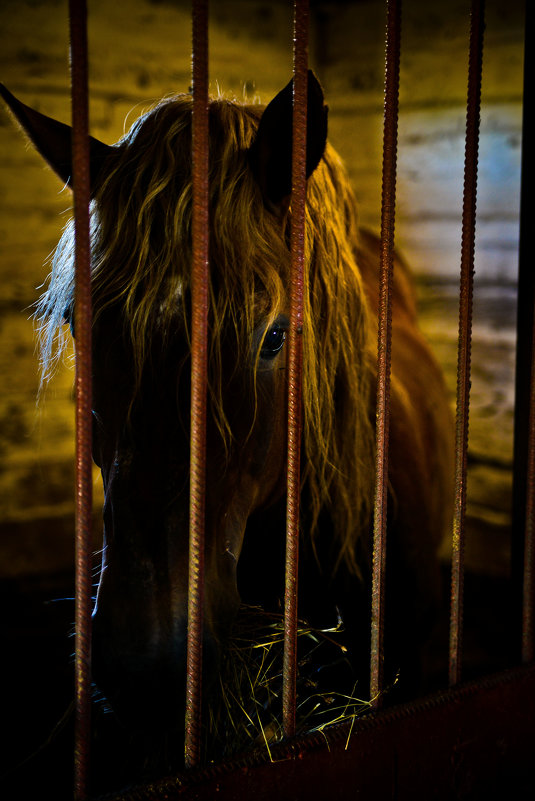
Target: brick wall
(140, 51)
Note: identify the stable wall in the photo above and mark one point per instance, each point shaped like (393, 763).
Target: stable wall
(139, 51)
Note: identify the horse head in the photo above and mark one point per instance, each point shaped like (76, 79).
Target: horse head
(141, 256)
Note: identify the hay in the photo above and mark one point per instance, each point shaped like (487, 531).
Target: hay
(246, 709)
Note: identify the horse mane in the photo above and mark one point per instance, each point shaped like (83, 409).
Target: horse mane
(141, 260)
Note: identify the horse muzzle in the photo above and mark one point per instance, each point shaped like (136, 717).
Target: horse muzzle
(140, 620)
(139, 652)
(147, 688)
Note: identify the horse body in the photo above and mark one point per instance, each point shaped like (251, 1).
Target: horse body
(141, 257)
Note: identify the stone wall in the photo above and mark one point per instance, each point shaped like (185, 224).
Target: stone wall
(139, 51)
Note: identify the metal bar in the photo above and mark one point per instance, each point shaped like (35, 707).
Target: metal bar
(522, 546)
(388, 214)
(295, 362)
(475, 64)
(83, 322)
(526, 286)
(199, 362)
(528, 597)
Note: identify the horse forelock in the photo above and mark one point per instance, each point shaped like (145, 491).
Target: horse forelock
(141, 262)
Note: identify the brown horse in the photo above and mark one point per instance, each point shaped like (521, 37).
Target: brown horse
(141, 285)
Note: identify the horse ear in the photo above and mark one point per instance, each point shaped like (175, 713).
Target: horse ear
(52, 139)
(271, 152)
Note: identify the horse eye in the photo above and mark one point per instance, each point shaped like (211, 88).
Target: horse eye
(273, 342)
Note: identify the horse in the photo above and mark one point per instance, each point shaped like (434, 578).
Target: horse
(141, 246)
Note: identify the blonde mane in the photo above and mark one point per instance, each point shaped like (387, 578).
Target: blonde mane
(141, 260)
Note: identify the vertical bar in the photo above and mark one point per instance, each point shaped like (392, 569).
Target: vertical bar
(465, 333)
(295, 362)
(526, 294)
(528, 595)
(83, 321)
(199, 362)
(522, 546)
(388, 213)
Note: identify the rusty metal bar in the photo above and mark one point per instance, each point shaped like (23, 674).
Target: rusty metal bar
(528, 598)
(526, 316)
(199, 362)
(388, 214)
(523, 546)
(526, 285)
(295, 362)
(475, 65)
(83, 322)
